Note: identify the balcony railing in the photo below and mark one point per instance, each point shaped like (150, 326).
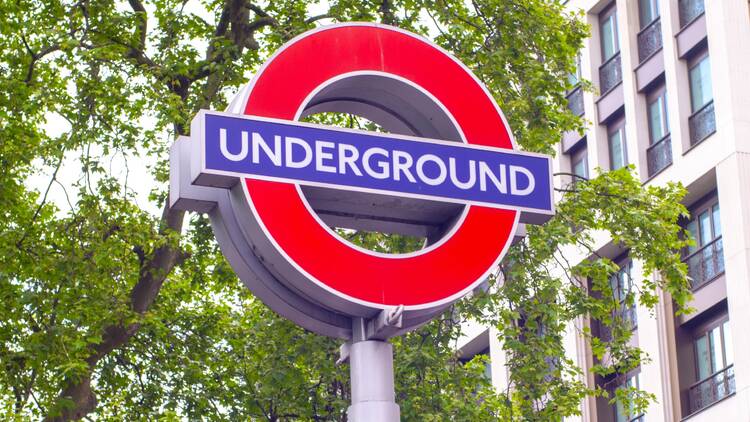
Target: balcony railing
(689, 10)
(649, 40)
(610, 74)
(659, 155)
(702, 123)
(712, 389)
(575, 101)
(706, 263)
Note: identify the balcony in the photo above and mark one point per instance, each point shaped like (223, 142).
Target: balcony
(702, 123)
(575, 101)
(712, 389)
(706, 263)
(690, 10)
(610, 74)
(649, 40)
(659, 155)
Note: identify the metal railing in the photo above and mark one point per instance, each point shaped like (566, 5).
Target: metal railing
(575, 101)
(610, 74)
(702, 123)
(706, 263)
(689, 10)
(712, 389)
(649, 40)
(659, 155)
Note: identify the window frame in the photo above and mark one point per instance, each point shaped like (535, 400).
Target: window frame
(621, 381)
(707, 203)
(693, 62)
(657, 14)
(659, 92)
(703, 330)
(574, 79)
(625, 264)
(579, 154)
(617, 125)
(609, 12)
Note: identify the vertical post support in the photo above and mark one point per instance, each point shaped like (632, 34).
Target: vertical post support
(371, 371)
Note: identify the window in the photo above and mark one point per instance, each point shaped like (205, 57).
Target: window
(610, 72)
(690, 10)
(622, 284)
(609, 36)
(659, 153)
(623, 315)
(700, 82)
(713, 356)
(649, 37)
(649, 11)
(575, 93)
(618, 157)
(705, 259)
(574, 78)
(713, 351)
(623, 413)
(579, 163)
(483, 354)
(658, 125)
(702, 122)
(487, 364)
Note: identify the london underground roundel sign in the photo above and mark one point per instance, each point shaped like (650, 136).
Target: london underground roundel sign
(274, 187)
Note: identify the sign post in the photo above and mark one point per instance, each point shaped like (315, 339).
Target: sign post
(447, 170)
(371, 373)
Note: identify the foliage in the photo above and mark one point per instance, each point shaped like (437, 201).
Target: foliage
(113, 312)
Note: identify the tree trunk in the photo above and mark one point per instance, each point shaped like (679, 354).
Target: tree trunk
(154, 271)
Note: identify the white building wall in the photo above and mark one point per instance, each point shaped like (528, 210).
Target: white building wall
(720, 162)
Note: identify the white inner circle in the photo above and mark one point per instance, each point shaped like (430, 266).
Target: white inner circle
(398, 106)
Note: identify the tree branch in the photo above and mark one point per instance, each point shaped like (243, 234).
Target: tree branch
(153, 273)
(313, 19)
(142, 28)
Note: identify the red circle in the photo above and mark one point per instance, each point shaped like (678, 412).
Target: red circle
(415, 281)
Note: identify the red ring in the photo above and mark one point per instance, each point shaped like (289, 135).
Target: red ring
(423, 280)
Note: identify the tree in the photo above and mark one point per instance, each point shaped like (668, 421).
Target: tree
(113, 311)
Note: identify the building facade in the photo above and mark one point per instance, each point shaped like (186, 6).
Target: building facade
(672, 97)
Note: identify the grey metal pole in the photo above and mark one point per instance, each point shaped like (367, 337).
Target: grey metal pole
(373, 393)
